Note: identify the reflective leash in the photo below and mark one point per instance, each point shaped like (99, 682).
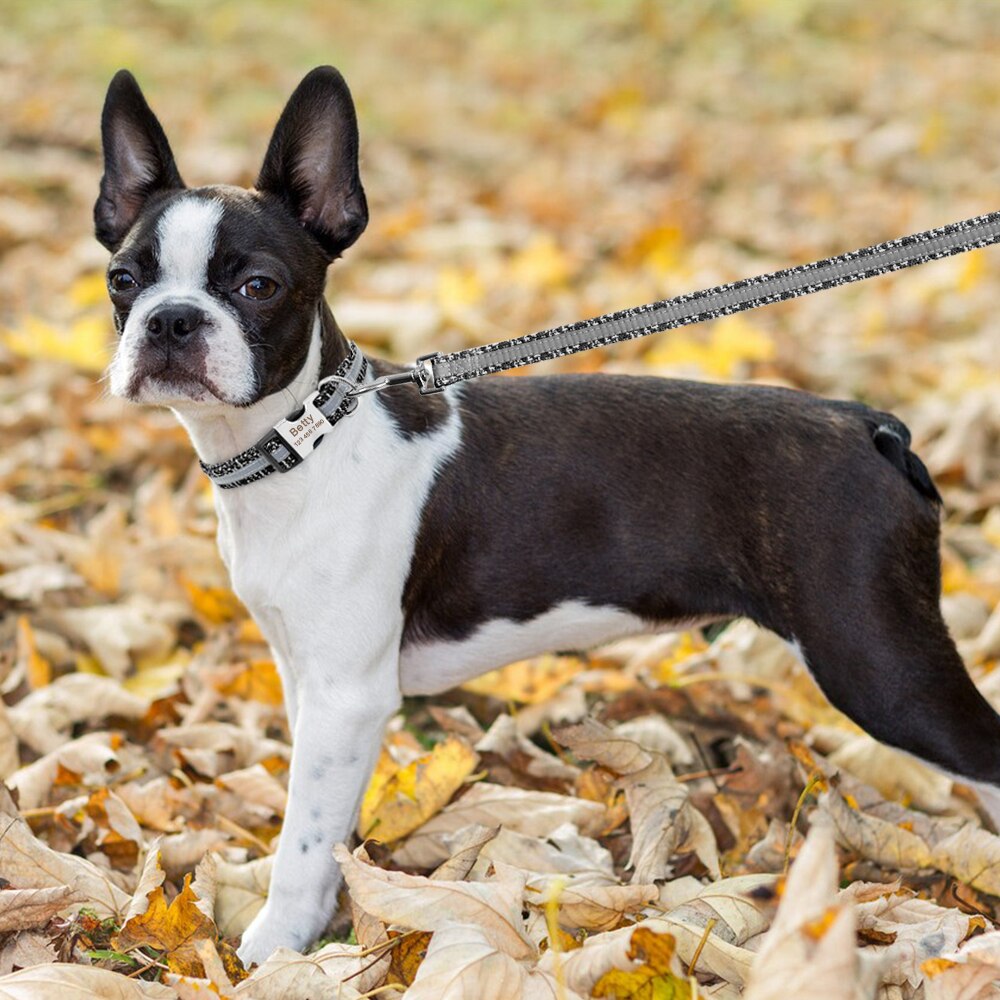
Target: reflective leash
(434, 372)
(289, 442)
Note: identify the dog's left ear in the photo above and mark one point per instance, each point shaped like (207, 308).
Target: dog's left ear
(312, 161)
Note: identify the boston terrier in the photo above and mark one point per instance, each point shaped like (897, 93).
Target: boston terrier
(434, 537)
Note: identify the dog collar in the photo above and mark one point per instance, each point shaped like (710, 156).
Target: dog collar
(289, 442)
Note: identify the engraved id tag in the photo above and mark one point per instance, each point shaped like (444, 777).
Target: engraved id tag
(304, 430)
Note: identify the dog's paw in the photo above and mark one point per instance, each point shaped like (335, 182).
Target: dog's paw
(266, 933)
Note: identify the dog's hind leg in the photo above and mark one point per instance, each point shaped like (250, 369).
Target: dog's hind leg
(884, 657)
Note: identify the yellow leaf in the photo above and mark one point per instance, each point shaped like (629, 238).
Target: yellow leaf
(457, 289)
(89, 290)
(653, 980)
(934, 130)
(157, 680)
(688, 644)
(173, 929)
(38, 670)
(541, 264)
(217, 604)
(396, 805)
(733, 343)
(407, 954)
(973, 271)
(83, 344)
(527, 681)
(249, 631)
(658, 248)
(258, 681)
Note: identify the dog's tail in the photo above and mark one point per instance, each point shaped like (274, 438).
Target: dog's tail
(891, 438)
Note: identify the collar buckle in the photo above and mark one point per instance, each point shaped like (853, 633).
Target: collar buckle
(277, 452)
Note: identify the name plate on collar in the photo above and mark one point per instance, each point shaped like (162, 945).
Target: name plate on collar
(302, 431)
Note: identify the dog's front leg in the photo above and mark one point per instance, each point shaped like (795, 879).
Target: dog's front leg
(339, 723)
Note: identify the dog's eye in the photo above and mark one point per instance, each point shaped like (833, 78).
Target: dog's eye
(122, 281)
(258, 288)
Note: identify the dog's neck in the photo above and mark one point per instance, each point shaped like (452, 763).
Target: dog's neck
(221, 431)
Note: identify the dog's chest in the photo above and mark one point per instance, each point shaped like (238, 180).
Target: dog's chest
(328, 546)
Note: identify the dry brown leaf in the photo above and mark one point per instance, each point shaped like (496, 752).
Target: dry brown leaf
(44, 718)
(466, 847)
(463, 962)
(533, 813)
(257, 785)
(28, 863)
(255, 681)
(24, 949)
(419, 903)
(117, 632)
(905, 840)
(664, 822)
(563, 851)
(9, 756)
(970, 972)
(327, 974)
(592, 740)
(506, 742)
(528, 681)
(21, 909)
(92, 758)
(592, 907)
(37, 670)
(895, 775)
(80, 982)
(656, 735)
(918, 929)
(240, 893)
(809, 952)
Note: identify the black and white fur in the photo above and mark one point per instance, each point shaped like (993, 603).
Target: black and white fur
(432, 538)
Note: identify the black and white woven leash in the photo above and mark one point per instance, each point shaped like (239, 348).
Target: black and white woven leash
(437, 371)
(288, 442)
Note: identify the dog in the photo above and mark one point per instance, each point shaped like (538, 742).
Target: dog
(434, 537)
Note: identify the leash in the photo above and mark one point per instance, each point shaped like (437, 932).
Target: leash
(288, 442)
(434, 372)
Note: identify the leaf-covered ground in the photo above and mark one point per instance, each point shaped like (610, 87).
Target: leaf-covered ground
(617, 824)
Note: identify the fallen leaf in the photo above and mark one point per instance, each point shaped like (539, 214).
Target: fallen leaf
(462, 962)
(658, 976)
(532, 813)
(172, 928)
(28, 863)
(809, 952)
(79, 982)
(21, 909)
(395, 807)
(419, 903)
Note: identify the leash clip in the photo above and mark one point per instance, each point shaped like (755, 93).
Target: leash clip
(385, 382)
(423, 371)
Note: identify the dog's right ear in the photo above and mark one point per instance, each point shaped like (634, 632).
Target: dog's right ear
(137, 160)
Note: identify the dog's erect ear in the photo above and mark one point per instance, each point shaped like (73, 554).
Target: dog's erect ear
(137, 160)
(312, 161)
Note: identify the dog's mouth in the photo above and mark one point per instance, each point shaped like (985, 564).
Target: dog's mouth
(162, 378)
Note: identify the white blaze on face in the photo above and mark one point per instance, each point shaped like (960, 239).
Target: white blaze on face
(186, 236)
(185, 242)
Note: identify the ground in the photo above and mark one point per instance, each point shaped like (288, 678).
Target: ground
(616, 824)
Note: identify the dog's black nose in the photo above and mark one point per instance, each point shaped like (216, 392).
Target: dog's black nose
(176, 321)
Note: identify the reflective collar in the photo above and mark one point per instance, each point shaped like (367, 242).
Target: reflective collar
(289, 441)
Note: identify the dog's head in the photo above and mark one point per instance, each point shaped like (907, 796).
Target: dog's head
(216, 289)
